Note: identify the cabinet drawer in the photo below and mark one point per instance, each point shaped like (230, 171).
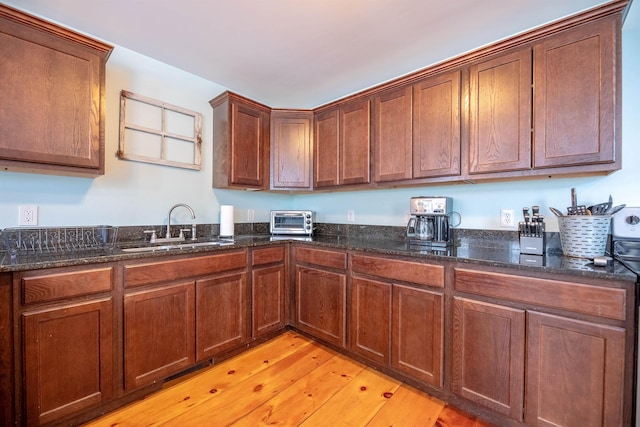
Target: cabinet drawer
(577, 297)
(39, 288)
(268, 255)
(407, 271)
(322, 257)
(164, 271)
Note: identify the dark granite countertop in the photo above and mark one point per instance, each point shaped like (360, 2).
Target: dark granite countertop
(467, 250)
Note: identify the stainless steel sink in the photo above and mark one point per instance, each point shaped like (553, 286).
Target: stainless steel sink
(179, 245)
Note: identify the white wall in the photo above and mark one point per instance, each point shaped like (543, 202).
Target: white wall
(133, 193)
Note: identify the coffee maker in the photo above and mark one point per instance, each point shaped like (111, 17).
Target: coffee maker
(429, 223)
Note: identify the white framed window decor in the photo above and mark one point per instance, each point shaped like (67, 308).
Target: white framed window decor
(153, 131)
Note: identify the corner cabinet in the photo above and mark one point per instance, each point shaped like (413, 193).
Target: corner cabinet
(241, 132)
(291, 149)
(268, 290)
(53, 89)
(321, 294)
(342, 144)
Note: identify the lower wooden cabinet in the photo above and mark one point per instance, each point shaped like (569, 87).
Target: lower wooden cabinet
(417, 333)
(268, 290)
(488, 355)
(221, 314)
(370, 325)
(575, 375)
(321, 303)
(159, 336)
(68, 359)
(568, 372)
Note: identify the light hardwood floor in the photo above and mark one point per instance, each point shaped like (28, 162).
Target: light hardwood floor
(288, 381)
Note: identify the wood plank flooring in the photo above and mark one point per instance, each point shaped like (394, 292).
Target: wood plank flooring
(288, 381)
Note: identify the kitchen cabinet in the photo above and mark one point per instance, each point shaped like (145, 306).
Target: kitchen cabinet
(577, 96)
(342, 144)
(416, 130)
(500, 111)
(321, 293)
(6, 350)
(574, 104)
(268, 290)
(181, 311)
(397, 315)
(159, 337)
(392, 135)
(67, 342)
(488, 355)
(291, 149)
(370, 325)
(53, 89)
(436, 126)
(566, 365)
(221, 314)
(240, 142)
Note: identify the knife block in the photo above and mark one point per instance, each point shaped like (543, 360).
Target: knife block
(532, 245)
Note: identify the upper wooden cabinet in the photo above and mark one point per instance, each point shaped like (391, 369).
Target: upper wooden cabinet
(436, 126)
(291, 149)
(577, 96)
(240, 142)
(564, 90)
(342, 144)
(52, 86)
(500, 113)
(392, 133)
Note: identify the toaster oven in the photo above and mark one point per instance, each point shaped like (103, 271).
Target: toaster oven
(291, 222)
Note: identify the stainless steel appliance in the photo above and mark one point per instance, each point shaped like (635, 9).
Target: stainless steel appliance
(291, 222)
(625, 247)
(429, 224)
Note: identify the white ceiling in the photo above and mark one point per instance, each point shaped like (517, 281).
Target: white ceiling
(302, 53)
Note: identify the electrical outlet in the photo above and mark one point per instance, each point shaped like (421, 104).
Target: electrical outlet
(28, 215)
(506, 218)
(351, 215)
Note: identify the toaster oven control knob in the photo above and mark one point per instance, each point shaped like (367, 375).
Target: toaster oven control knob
(633, 219)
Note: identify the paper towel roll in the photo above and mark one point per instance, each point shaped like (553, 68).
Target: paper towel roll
(226, 221)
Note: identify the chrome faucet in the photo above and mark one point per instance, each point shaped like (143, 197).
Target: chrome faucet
(167, 236)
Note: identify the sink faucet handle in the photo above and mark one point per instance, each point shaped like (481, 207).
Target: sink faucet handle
(182, 230)
(153, 235)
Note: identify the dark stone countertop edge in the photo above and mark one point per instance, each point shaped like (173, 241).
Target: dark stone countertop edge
(496, 254)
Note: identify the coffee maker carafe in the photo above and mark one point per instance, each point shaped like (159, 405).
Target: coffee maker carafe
(429, 223)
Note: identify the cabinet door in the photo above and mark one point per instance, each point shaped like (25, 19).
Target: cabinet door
(500, 113)
(418, 333)
(436, 126)
(268, 299)
(326, 149)
(68, 359)
(371, 319)
(321, 298)
(291, 149)
(575, 92)
(355, 143)
(574, 372)
(158, 333)
(221, 314)
(392, 135)
(488, 355)
(249, 133)
(52, 86)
